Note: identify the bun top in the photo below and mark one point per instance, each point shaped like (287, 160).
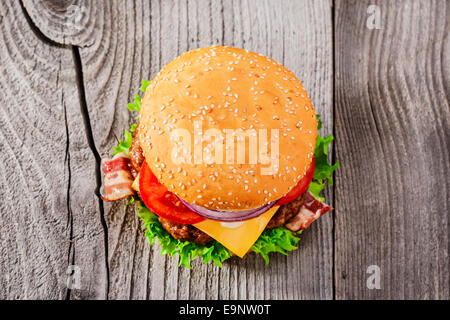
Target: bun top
(207, 118)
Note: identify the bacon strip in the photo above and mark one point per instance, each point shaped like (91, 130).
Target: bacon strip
(117, 178)
(116, 164)
(310, 211)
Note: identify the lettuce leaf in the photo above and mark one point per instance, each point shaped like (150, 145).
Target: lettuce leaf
(187, 251)
(275, 240)
(125, 144)
(279, 240)
(144, 86)
(323, 170)
(130, 202)
(136, 105)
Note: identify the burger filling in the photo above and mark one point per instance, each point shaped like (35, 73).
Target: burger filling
(177, 228)
(190, 233)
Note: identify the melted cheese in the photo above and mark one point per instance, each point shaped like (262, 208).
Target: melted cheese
(135, 184)
(237, 236)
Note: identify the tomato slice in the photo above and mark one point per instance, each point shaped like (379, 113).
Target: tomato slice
(161, 201)
(300, 188)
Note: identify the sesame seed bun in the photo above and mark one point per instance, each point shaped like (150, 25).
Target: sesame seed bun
(227, 88)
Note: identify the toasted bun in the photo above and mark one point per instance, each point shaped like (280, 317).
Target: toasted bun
(226, 88)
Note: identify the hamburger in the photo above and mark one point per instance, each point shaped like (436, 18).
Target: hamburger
(225, 159)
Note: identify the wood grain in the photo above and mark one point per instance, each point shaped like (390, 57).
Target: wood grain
(392, 133)
(391, 120)
(178, 26)
(46, 224)
(68, 22)
(133, 40)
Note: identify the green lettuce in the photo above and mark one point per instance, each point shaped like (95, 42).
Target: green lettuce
(187, 251)
(136, 105)
(323, 171)
(279, 240)
(125, 144)
(274, 240)
(130, 202)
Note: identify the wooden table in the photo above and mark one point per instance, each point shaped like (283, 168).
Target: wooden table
(68, 69)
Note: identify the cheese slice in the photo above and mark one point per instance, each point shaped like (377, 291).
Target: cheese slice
(237, 236)
(135, 184)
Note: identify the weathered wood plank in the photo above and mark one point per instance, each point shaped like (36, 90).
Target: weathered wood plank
(68, 22)
(403, 226)
(137, 39)
(392, 128)
(133, 40)
(48, 212)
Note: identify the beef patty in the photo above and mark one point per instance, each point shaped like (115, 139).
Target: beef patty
(285, 213)
(185, 232)
(190, 233)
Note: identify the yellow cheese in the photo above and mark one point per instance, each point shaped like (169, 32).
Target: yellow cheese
(238, 236)
(135, 184)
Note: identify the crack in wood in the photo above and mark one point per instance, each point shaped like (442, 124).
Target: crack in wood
(392, 213)
(71, 251)
(89, 135)
(91, 142)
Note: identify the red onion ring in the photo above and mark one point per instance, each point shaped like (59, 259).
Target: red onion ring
(228, 215)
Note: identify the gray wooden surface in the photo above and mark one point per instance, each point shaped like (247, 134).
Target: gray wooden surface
(68, 68)
(393, 136)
